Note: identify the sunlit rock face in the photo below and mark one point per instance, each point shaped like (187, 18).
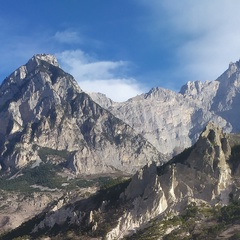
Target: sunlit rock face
(42, 107)
(201, 174)
(173, 121)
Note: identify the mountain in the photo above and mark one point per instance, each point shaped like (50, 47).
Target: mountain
(184, 198)
(173, 121)
(46, 117)
(75, 166)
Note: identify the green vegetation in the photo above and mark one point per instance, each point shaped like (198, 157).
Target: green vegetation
(196, 223)
(236, 236)
(109, 182)
(230, 213)
(103, 183)
(44, 175)
(47, 175)
(44, 152)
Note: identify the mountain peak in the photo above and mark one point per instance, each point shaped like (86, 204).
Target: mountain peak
(231, 73)
(41, 105)
(158, 92)
(38, 58)
(234, 66)
(47, 58)
(211, 151)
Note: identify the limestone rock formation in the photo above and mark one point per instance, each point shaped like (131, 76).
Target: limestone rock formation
(173, 121)
(43, 110)
(201, 174)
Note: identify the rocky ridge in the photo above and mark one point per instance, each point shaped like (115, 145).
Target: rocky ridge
(201, 174)
(173, 121)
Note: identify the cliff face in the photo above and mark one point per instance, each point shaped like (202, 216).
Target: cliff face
(200, 174)
(173, 121)
(43, 108)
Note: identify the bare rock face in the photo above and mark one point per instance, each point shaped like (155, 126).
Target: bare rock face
(173, 121)
(170, 121)
(148, 201)
(43, 108)
(200, 174)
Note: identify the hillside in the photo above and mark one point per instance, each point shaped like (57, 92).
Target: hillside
(185, 197)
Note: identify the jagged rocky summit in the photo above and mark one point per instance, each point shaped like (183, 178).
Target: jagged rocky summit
(202, 174)
(173, 121)
(206, 174)
(46, 117)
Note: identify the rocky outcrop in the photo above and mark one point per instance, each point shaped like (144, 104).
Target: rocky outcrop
(201, 174)
(43, 108)
(148, 201)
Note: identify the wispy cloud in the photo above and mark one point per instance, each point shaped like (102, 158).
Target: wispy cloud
(68, 36)
(205, 33)
(108, 77)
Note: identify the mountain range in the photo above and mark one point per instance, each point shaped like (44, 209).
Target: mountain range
(173, 121)
(154, 164)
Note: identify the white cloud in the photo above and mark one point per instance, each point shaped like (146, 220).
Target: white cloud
(68, 36)
(118, 90)
(206, 32)
(108, 77)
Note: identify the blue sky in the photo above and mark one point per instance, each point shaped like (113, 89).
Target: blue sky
(123, 47)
